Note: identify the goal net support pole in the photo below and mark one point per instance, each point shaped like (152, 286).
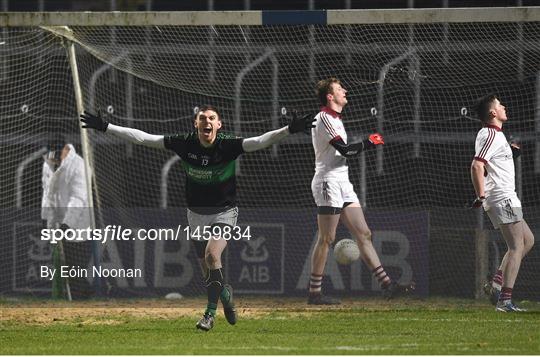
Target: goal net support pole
(87, 153)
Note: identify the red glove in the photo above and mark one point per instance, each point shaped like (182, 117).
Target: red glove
(376, 139)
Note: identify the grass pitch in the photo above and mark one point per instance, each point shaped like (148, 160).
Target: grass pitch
(271, 326)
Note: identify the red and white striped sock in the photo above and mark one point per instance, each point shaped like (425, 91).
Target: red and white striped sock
(497, 280)
(315, 284)
(382, 277)
(506, 295)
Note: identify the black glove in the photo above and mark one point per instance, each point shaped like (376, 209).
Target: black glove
(94, 121)
(306, 122)
(516, 150)
(515, 145)
(477, 203)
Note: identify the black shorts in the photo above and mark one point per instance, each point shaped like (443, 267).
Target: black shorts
(332, 210)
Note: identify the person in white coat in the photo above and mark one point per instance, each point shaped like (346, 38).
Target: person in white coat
(64, 205)
(65, 196)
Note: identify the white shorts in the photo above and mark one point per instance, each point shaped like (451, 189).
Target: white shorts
(504, 211)
(333, 193)
(197, 222)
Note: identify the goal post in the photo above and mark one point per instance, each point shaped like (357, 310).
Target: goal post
(413, 74)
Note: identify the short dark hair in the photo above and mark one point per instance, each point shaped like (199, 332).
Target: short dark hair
(206, 107)
(483, 106)
(55, 141)
(324, 87)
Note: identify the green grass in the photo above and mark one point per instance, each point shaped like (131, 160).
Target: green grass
(407, 330)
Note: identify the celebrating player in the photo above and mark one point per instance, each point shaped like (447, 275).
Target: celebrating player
(334, 194)
(208, 158)
(493, 177)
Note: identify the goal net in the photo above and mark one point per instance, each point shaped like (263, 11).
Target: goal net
(414, 79)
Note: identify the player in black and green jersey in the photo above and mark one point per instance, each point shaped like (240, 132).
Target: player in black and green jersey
(208, 158)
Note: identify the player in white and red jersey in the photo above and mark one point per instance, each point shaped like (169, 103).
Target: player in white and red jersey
(334, 194)
(493, 177)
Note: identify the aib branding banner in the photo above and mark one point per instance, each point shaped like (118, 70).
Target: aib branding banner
(401, 240)
(273, 258)
(401, 246)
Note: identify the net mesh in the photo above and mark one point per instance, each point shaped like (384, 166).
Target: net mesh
(414, 83)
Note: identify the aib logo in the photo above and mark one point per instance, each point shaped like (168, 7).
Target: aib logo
(254, 251)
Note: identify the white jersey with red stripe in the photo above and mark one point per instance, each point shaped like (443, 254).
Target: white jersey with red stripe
(329, 163)
(493, 150)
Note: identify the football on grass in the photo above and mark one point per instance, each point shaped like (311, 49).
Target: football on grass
(346, 251)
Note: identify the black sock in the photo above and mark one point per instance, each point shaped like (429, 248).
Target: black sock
(214, 286)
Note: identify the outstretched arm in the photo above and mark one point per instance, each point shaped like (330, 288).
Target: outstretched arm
(132, 135)
(265, 140)
(349, 150)
(271, 137)
(137, 136)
